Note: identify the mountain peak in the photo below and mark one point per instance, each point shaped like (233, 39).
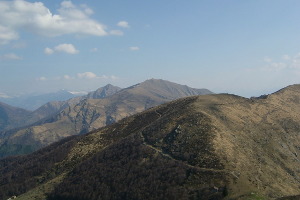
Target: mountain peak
(103, 92)
(169, 89)
(153, 80)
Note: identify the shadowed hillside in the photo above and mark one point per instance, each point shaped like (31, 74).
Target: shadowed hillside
(201, 147)
(11, 117)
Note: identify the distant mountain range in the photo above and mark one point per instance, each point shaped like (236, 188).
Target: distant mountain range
(217, 146)
(79, 115)
(33, 102)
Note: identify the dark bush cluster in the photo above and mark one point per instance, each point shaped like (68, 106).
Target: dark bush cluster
(131, 170)
(19, 174)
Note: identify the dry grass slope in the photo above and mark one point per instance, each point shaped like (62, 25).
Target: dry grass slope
(201, 147)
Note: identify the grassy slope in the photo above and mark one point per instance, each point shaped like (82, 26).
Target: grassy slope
(247, 148)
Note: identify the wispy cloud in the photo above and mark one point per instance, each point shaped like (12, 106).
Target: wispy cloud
(68, 77)
(87, 75)
(3, 95)
(83, 81)
(116, 32)
(123, 24)
(10, 56)
(91, 75)
(286, 57)
(7, 34)
(19, 45)
(42, 78)
(135, 48)
(66, 48)
(286, 62)
(35, 17)
(48, 51)
(267, 59)
(79, 76)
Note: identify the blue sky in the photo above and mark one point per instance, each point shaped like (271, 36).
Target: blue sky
(247, 48)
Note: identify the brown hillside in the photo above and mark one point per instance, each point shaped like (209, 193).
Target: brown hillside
(205, 147)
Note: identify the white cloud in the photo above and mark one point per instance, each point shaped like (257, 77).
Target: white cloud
(91, 75)
(7, 34)
(10, 56)
(267, 59)
(287, 62)
(42, 78)
(87, 75)
(286, 57)
(123, 24)
(67, 4)
(34, 17)
(48, 51)
(85, 81)
(134, 48)
(116, 32)
(112, 77)
(84, 76)
(67, 77)
(66, 48)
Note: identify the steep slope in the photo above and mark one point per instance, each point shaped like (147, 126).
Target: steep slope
(45, 111)
(90, 114)
(201, 147)
(11, 117)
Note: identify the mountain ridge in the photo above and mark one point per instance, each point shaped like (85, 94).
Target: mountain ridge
(201, 147)
(87, 114)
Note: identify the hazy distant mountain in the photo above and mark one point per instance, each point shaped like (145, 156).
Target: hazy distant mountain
(167, 90)
(90, 114)
(201, 147)
(11, 117)
(32, 102)
(52, 107)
